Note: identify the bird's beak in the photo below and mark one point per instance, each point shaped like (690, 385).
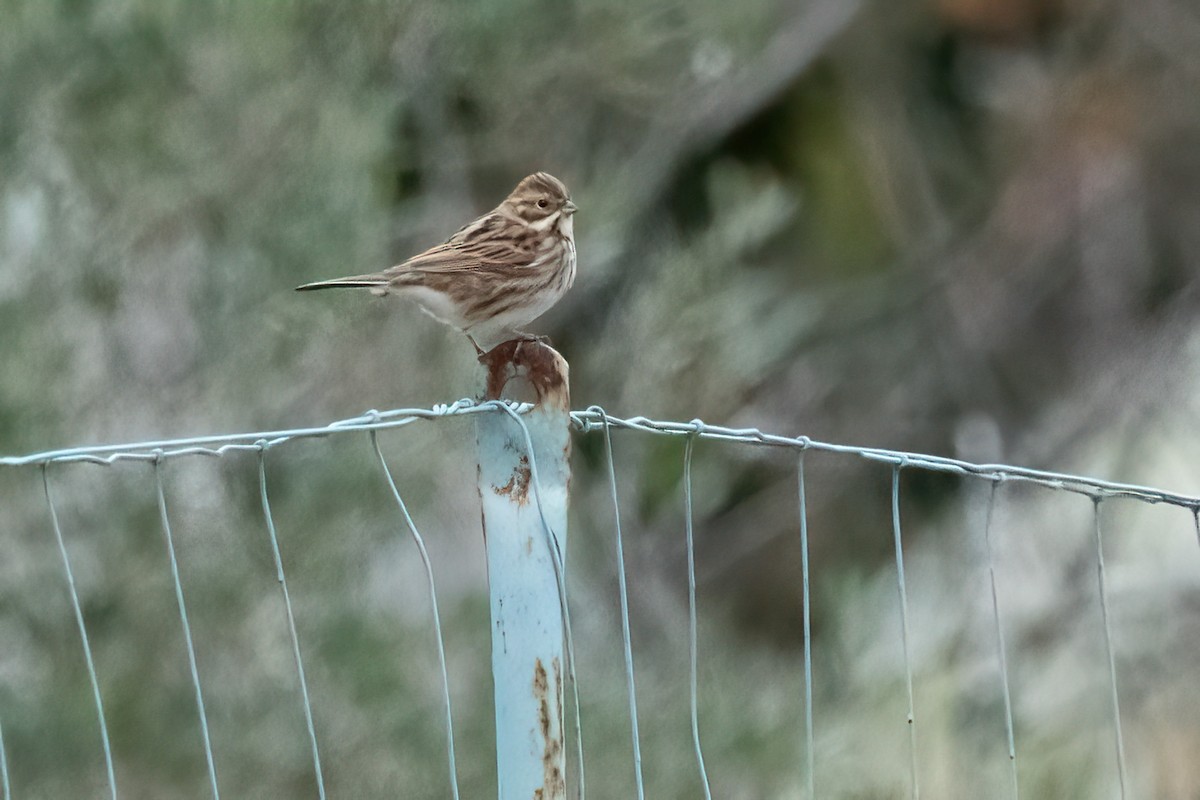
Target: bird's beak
(570, 208)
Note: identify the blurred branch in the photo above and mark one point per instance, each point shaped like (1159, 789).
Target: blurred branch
(706, 115)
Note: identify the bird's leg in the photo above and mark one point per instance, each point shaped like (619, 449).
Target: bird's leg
(520, 337)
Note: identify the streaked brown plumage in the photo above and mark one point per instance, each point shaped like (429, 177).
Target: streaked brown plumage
(495, 274)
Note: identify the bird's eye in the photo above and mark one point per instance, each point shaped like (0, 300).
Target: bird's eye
(543, 203)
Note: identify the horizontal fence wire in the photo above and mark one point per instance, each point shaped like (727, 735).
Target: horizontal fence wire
(586, 421)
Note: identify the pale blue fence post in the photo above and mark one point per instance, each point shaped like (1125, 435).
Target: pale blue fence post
(524, 574)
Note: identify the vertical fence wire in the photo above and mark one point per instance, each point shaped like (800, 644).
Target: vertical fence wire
(692, 633)
(187, 628)
(560, 577)
(1000, 649)
(912, 723)
(809, 754)
(291, 618)
(1112, 663)
(632, 689)
(1098, 491)
(437, 622)
(5, 788)
(87, 647)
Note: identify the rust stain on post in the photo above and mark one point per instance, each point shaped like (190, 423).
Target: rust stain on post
(554, 783)
(540, 688)
(517, 488)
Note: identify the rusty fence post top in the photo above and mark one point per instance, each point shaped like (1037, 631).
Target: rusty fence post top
(527, 371)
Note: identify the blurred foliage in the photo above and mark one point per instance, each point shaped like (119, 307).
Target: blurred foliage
(952, 226)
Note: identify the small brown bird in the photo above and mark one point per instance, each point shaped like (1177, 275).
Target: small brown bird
(494, 275)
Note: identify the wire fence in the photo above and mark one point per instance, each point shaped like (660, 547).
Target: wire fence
(586, 422)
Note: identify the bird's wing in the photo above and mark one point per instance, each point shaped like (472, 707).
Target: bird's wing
(482, 246)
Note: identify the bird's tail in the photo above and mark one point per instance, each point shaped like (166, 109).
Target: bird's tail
(357, 281)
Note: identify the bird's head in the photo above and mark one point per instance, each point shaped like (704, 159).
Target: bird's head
(541, 200)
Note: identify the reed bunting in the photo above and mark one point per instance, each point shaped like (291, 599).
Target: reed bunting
(494, 275)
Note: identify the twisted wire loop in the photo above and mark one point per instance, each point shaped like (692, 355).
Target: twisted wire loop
(187, 629)
(631, 686)
(87, 647)
(809, 746)
(908, 681)
(1108, 646)
(692, 633)
(291, 618)
(1000, 648)
(437, 622)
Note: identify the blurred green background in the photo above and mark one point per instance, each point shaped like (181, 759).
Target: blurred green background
(966, 227)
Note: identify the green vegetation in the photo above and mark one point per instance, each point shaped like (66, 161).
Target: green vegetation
(954, 227)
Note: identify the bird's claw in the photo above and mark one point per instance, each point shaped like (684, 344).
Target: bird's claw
(519, 337)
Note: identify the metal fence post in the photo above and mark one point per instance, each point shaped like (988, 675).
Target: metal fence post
(528, 667)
